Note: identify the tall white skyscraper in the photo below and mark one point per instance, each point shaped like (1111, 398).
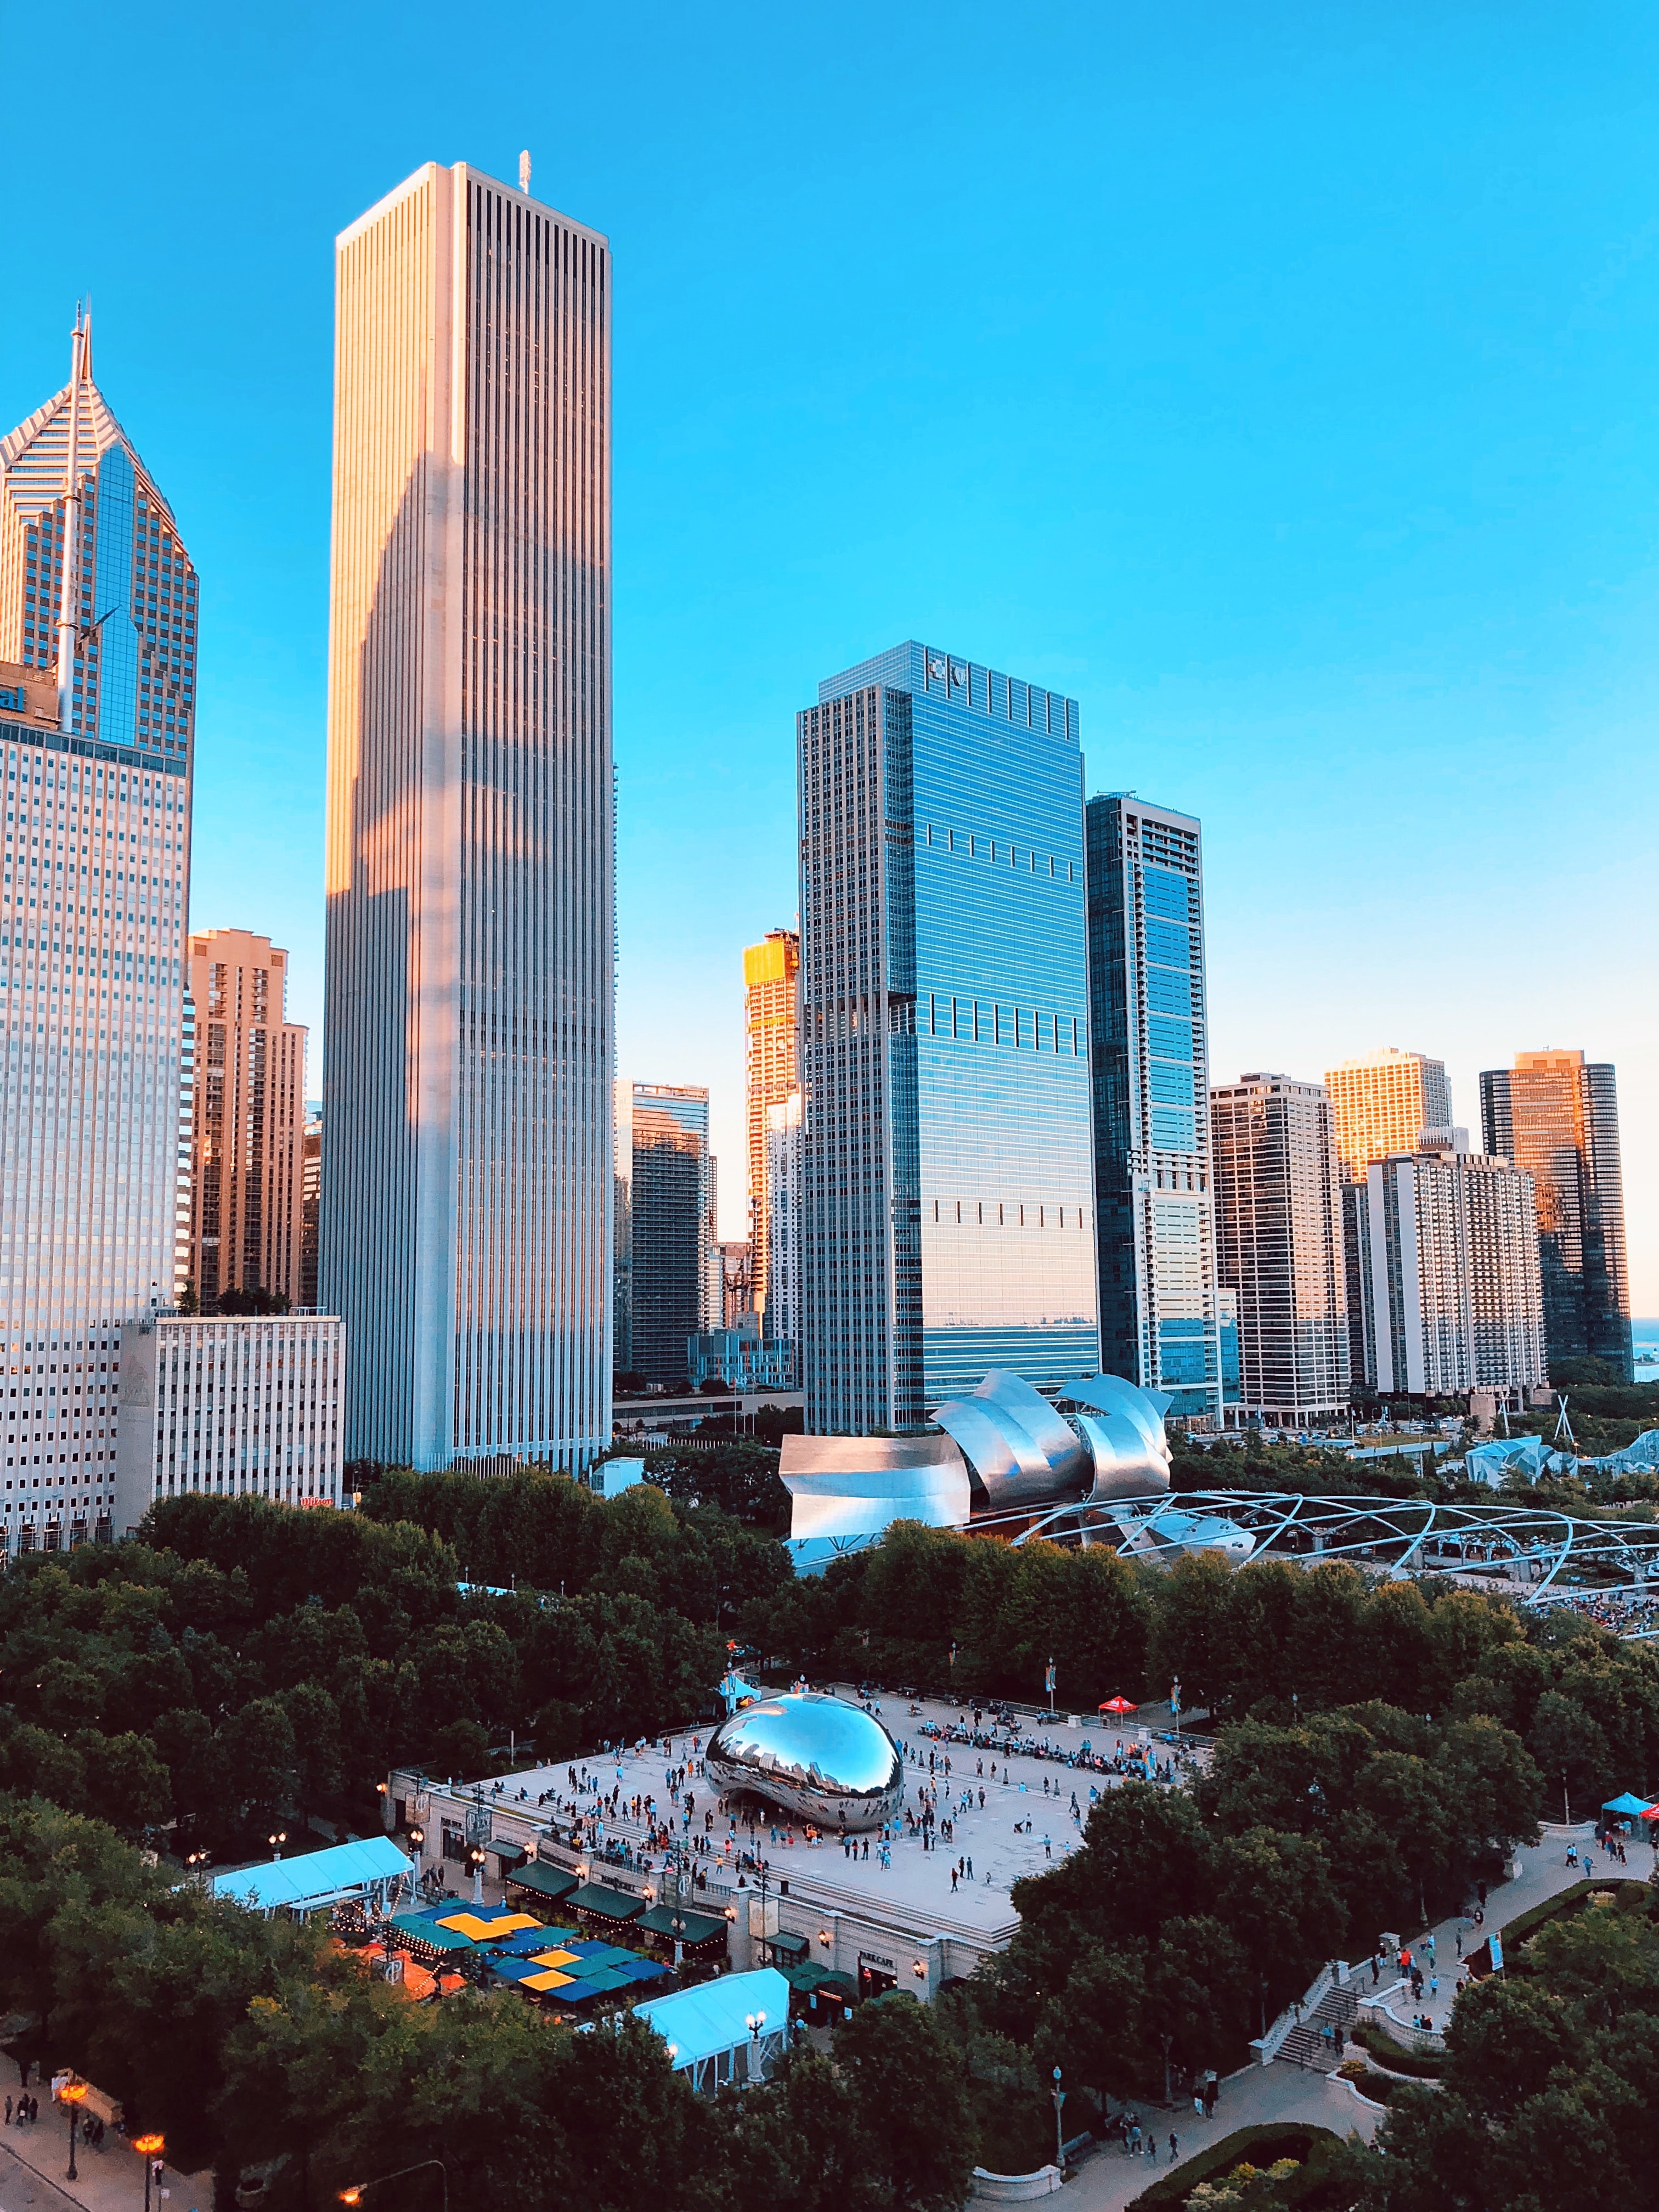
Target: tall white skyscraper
(97, 707)
(466, 1180)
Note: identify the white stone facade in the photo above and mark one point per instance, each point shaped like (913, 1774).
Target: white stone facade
(244, 1408)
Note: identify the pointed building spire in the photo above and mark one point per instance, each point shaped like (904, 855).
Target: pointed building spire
(69, 597)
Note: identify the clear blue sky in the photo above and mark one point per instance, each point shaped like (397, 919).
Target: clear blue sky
(1280, 381)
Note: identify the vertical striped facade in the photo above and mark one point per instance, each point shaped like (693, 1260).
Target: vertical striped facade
(98, 630)
(243, 1407)
(466, 1175)
(248, 1122)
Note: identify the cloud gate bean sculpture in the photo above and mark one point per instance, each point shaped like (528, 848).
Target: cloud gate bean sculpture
(828, 1761)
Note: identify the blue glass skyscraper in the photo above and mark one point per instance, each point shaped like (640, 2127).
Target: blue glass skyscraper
(947, 1198)
(1158, 1315)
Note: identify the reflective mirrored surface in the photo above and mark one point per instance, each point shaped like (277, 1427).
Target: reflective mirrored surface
(831, 1762)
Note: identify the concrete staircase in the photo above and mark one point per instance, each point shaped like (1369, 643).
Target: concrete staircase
(1307, 2045)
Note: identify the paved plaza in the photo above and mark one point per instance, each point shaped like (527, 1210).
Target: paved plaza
(1026, 1821)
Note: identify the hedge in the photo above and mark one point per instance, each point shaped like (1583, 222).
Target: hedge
(1260, 2146)
(1419, 2065)
(1632, 1895)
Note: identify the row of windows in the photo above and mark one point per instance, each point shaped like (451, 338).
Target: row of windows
(999, 1214)
(1022, 1027)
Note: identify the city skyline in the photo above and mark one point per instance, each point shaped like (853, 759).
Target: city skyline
(1317, 555)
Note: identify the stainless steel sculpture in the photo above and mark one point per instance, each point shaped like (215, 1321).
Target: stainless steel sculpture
(1004, 1451)
(832, 1763)
(1124, 1431)
(1018, 1450)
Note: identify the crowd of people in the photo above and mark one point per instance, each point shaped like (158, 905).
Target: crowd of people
(1625, 1612)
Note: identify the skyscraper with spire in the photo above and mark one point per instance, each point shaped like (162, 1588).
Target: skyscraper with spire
(97, 636)
(467, 1166)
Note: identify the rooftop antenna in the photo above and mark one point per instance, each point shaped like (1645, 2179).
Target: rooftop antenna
(523, 170)
(70, 598)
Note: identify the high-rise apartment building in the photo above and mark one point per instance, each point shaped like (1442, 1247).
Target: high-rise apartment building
(467, 1174)
(247, 1173)
(1557, 1115)
(97, 636)
(1451, 1296)
(310, 1206)
(671, 1252)
(771, 987)
(947, 1201)
(783, 1227)
(1149, 1038)
(1279, 1246)
(1388, 1102)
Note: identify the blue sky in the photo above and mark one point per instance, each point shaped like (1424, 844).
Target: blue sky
(1281, 382)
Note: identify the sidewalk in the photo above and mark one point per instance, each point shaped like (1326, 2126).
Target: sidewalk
(1110, 2180)
(35, 2165)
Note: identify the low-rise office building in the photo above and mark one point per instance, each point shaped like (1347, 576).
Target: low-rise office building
(243, 1407)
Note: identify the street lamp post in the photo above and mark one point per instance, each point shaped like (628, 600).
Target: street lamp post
(477, 1858)
(1058, 2096)
(276, 1843)
(149, 2148)
(1175, 1707)
(355, 2193)
(71, 2094)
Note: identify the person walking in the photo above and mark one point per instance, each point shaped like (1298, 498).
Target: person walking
(1198, 2104)
(1175, 2148)
(1134, 2139)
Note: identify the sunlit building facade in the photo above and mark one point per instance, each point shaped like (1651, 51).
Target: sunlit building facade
(466, 1168)
(771, 984)
(1557, 1115)
(247, 1151)
(97, 643)
(1387, 1101)
(947, 1197)
(1149, 1038)
(1278, 1247)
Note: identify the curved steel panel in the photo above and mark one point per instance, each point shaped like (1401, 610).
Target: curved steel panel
(832, 1763)
(1020, 1450)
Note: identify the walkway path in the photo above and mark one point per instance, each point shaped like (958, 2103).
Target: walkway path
(34, 2167)
(1110, 2180)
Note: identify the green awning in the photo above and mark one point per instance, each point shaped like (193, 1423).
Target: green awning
(785, 1946)
(694, 1928)
(549, 1881)
(603, 1903)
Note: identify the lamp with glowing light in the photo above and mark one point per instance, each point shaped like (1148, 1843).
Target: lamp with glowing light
(71, 2094)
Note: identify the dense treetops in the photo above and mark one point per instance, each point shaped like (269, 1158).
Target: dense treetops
(1380, 1746)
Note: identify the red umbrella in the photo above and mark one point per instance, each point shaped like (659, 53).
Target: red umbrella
(1118, 1705)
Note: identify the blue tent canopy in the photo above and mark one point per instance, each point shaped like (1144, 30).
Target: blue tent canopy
(1630, 1807)
(314, 1879)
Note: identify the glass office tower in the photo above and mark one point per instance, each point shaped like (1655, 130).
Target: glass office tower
(98, 602)
(669, 1216)
(1158, 1318)
(948, 1207)
(1557, 1116)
